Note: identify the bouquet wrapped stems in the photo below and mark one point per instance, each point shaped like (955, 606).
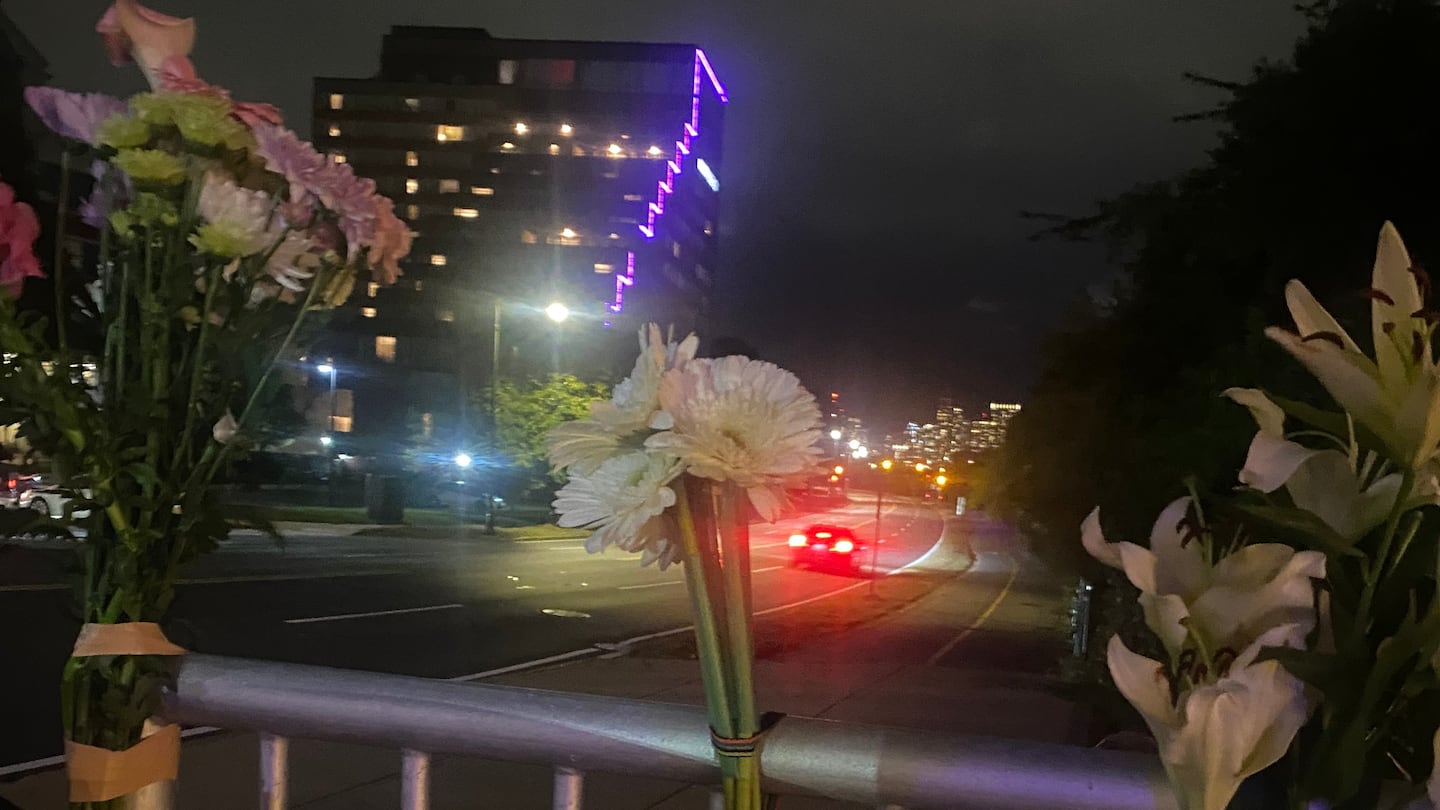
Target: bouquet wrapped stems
(715, 537)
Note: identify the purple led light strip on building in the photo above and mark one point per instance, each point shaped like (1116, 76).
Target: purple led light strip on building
(674, 166)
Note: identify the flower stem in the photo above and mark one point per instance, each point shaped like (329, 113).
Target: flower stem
(1378, 566)
(707, 630)
(735, 553)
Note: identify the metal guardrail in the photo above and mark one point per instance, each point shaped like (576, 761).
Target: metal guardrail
(575, 733)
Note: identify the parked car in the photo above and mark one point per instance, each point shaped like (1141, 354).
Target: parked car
(52, 501)
(827, 547)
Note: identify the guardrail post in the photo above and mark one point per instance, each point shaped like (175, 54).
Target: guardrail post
(569, 787)
(415, 780)
(274, 772)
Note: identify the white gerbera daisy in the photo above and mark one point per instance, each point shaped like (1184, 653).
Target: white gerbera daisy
(740, 420)
(615, 426)
(623, 500)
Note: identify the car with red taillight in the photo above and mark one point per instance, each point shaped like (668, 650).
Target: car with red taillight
(827, 547)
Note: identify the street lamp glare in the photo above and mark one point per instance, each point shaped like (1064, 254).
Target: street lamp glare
(854, 444)
(557, 312)
(835, 434)
(326, 441)
(325, 368)
(463, 460)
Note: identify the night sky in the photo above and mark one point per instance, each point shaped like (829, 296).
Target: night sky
(877, 153)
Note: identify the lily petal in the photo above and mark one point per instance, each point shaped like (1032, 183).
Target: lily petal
(154, 37)
(1268, 416)
(1094, 541)
(1393, 279)
(1272, 461)
(1181, 567)
(1350, 378)
(1311, 318)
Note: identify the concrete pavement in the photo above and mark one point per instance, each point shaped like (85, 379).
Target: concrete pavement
(966, 657)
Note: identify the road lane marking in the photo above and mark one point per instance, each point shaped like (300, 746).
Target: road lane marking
(21, 768)
(368, 614)
(59, 586)
(988, 612)
(682, 582)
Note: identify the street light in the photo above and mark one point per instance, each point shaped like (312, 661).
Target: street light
(557, 312)
(463, 460)
(854, 444)
(328, 367)
(885, 465)
(835, 434)
(326, 440)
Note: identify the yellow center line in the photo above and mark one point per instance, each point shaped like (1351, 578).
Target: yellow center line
(981, 619)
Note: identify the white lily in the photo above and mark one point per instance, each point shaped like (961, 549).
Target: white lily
(1397, 394)
(1226, 726)
(1196, 606)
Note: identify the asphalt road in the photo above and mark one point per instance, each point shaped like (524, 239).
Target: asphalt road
(446, 608)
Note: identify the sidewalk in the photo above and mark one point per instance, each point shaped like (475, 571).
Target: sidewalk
(894, 673)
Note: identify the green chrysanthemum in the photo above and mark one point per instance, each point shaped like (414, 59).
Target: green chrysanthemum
(227, 240)
(122, 131)
(207, 125)
(151, 165)
(167, 109)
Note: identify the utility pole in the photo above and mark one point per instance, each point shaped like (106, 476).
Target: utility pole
(493, 477)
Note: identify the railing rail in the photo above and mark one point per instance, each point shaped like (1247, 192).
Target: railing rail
(575, 733)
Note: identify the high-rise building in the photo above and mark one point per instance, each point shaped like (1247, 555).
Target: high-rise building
(988, 432)
(532, 171)
(954, 428)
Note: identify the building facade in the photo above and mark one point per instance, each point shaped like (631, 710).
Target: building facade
(533, 172)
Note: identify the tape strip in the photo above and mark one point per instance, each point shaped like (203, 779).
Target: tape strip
(126, 638)
(99, 774)
(744, 747)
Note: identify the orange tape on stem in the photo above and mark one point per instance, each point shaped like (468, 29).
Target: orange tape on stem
(126, 638)
(98, 774)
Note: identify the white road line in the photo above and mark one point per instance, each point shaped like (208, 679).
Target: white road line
(682, 582)
(538, 662)
(650, 585)
(341, 616)
(990, 610)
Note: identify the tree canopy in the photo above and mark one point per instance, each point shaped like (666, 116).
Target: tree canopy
(1313, 154)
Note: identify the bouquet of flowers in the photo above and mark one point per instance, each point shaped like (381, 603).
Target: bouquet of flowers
(1322, 659)
(221, 237)
(670, 467)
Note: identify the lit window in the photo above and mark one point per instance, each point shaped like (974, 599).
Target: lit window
(373, 289)
(427, 424)
(554, 148)
(412, 159)
(337, 101)
(529, 237)
(507, 71)
(411, 185)
(437, 259)
(482, 191)
(446, 315)
(615, 150)
(709, 228)
(710, 179)
(568, 233)
(676, 249)
(338, 157)
(612, 175)
(567, 130)
(653, 151)
(447, 132)
(413, 104)
(507, 146)
(614, 236)
(385, 348)
(419, 286)
(494, 169)
(412, 211)
(634, 197)
(466, 213)
(521, 129)
(449, 186)
(334, 130)
(601, 267)
(367, 312)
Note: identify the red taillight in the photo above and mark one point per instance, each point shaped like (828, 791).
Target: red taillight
(843, 547)
(823, 535)
(798, 541)
(11, 483)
